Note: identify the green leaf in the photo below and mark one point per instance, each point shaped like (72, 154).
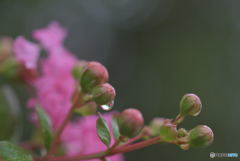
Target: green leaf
(103, 131)
(11, 152)
(115, 127)
(46, 126)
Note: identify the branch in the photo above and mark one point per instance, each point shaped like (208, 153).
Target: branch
(121, 149)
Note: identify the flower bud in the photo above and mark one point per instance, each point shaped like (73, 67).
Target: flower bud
(103, 94)
(168, 131)
(200, 136)
(182, 132)
(156, 124)
(190, 104)
(184, 146)
(78, 70)
(94, 74)
(130, 122)
(146, 132)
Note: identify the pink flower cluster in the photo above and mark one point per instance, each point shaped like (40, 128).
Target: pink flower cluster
(55, 85)
(84, 137)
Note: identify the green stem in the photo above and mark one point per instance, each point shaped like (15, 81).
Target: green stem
(178, 119)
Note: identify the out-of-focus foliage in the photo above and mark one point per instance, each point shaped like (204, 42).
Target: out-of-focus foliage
(7, 122)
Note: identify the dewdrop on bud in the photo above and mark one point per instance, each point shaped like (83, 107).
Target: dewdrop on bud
(103, 94)
(190, 104)
(130, 122)
(200, 136)
(94, 74)
(78, 69)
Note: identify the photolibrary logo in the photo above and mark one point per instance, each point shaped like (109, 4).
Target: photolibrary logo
(223, 155)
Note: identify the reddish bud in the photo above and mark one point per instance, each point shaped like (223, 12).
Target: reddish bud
(130, 122)
(103, 94)
(95, 74)
(190, 104)
(200, 136)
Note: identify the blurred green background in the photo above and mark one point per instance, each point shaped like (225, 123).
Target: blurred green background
(156, 51)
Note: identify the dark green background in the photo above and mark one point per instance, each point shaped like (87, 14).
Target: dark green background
(156, 51)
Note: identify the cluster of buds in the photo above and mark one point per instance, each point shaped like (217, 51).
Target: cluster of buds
(19, 60)
(199, 136)
(92, 78)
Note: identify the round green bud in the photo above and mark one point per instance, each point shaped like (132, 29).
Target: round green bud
(200, 136)
(182, 132)
(94, 74)
(130, 122)
(190, 104)
(78, 70)
(103, 94)
(156, 124)
(168, 132)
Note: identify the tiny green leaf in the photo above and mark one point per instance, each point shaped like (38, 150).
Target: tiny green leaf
(46, 126)
(103, 131)
(11, 152)
(115, 127)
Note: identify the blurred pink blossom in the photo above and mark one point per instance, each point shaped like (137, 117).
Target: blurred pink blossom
(54, 88)
(80, 137)
(26, 52)
(55, 85)
(50, 37)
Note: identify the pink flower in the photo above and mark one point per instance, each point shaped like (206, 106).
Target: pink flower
(50, 37)
(80, 137)
(26, 52)
(55, 86)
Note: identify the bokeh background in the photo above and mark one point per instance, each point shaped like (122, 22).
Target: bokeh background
(156, 51)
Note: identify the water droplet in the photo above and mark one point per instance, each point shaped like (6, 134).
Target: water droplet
(108, 106)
